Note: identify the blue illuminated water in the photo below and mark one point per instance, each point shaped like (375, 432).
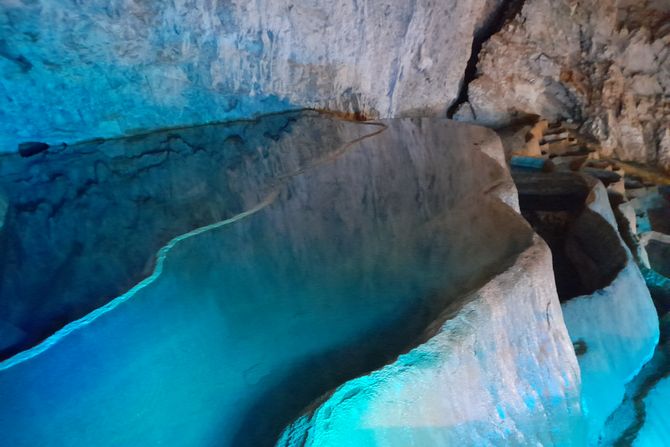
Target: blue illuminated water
(336, 258)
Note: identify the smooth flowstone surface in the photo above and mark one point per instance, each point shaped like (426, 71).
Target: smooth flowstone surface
(642, 419)
(298, 252)
(494, 368)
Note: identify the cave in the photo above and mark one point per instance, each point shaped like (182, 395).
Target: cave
(342, 223)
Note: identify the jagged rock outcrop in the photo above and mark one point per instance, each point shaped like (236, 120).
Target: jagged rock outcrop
(657, 248)
(619, 327)
(73, 70)
(605, 64)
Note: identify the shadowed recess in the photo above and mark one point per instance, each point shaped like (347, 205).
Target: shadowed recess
(586, 252)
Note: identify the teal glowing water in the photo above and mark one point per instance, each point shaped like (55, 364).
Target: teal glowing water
(246, 321)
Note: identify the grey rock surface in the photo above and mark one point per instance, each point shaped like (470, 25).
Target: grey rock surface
(657, 247)
(498, 370)
(607, 308)
(72, 70)
(642, 418)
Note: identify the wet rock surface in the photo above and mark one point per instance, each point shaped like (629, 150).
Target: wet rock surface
(456, 386)
(468, 353)
(642, 418)
(184, 286)
(586, 249)
(657, 246)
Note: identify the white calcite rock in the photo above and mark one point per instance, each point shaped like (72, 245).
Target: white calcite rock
(73, 70)
(656, 429)
(498, 371)
(616, 327)
(380, 240)
(496, 368)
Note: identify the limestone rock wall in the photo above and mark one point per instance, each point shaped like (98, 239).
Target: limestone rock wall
(603, 63)
(72, 70)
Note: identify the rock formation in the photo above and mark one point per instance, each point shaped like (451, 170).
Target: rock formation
(473, 381)
(605, 64)
(613, 320)
(468, 354)
(73, 71)
(642, 418)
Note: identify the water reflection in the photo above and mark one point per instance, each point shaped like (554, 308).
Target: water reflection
(249, 322)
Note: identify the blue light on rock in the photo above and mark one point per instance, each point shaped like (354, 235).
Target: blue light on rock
(363, 246)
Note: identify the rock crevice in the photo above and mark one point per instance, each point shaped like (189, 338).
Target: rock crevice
(505, 11)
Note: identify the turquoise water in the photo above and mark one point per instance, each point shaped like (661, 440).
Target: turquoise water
(329, 273)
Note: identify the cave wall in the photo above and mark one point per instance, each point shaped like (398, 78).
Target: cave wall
(606, 63)
(616, 326)
(72, 70)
